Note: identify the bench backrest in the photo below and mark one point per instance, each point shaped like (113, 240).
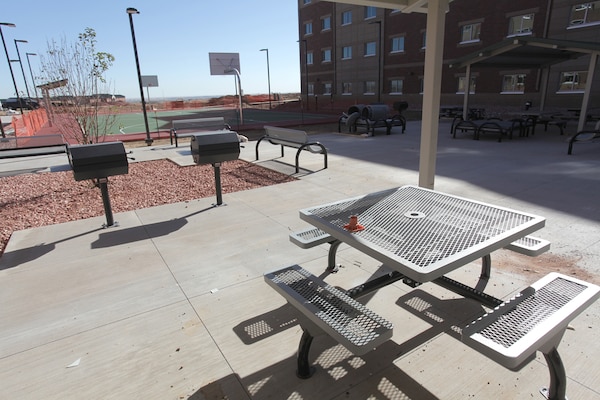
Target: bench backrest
(276, 134)
(199, 124)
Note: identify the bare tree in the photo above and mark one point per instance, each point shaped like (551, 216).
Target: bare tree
(77, 104)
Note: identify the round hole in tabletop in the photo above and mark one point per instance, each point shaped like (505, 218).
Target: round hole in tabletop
(414, 214)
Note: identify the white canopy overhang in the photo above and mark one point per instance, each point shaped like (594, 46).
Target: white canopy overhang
(532, 52)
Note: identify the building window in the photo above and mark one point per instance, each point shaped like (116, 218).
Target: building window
(421, 85)
(308, 28)
(462, 85)
(346, 88)
(572, 82)
(369, 87)
(520, 25)
(423, 40)
(585, 14)
(306, 2)
(327, 88)
(370, 12)
(346, 17)
(309, 58)
(370, 49)
(513, 83)
(470, 33)
(311, 89)
(326, 55)
(346, 52)
(326, 23)
(396, 86)
(398, 44)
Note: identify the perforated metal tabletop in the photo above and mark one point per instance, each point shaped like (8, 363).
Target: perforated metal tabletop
(422, 233)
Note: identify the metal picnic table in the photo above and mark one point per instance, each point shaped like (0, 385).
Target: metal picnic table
(420, 233)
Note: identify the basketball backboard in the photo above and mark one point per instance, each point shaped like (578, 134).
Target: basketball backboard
(224, 63)
(149, 80)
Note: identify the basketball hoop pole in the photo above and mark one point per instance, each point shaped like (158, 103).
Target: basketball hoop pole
(239, 84)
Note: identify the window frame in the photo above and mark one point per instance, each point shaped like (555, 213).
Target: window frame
(323, 19)
(513, 32)
(393, 40)
(396, 92)
(346, 88)
(584, 22)
(580, 77)
(326, 55)
(515, 84)
(366, 49)
(344, 56)
(308, 28)
(473, 32)
(346, 21)
(366, 85)
(369, 9)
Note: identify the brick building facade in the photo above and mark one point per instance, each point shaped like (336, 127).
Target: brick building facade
(355, 54)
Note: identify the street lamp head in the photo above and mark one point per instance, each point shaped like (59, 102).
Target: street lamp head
(31, 54)
(131, 10)
(21, 41)
(264, 49)
(8, 24)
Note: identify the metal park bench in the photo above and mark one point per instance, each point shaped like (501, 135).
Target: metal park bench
(292, 138)
(373, 116)
(585, 136)
(534, 320)
(190, 127)
(25, 146)
(328, 310)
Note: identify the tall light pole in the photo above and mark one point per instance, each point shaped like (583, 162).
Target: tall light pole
(9, 64)
(21, 64)
(268, 76)
(31, 72)
(379, 55)
(130, 12)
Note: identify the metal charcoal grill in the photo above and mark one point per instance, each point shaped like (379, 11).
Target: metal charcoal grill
(97, 162)
(215, 148)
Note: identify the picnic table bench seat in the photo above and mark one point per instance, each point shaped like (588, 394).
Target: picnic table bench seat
(491, 125)
(189, 127)
(534, 320)
(25, 146)
(293, 138)
(328, 310)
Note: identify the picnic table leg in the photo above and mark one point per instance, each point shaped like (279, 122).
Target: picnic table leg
(486, 266)
(331, 265)
(558, 378)
(305, 370)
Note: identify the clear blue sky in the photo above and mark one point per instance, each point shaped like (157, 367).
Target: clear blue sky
(173, 39)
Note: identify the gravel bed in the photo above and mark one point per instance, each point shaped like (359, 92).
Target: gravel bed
(34, 200)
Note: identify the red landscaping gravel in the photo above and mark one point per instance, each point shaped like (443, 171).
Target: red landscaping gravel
(34, 200)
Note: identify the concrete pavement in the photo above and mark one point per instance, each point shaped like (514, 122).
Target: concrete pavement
(171, 304)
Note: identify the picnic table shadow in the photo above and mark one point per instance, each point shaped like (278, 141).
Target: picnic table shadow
(443, 316)
(338, 374)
